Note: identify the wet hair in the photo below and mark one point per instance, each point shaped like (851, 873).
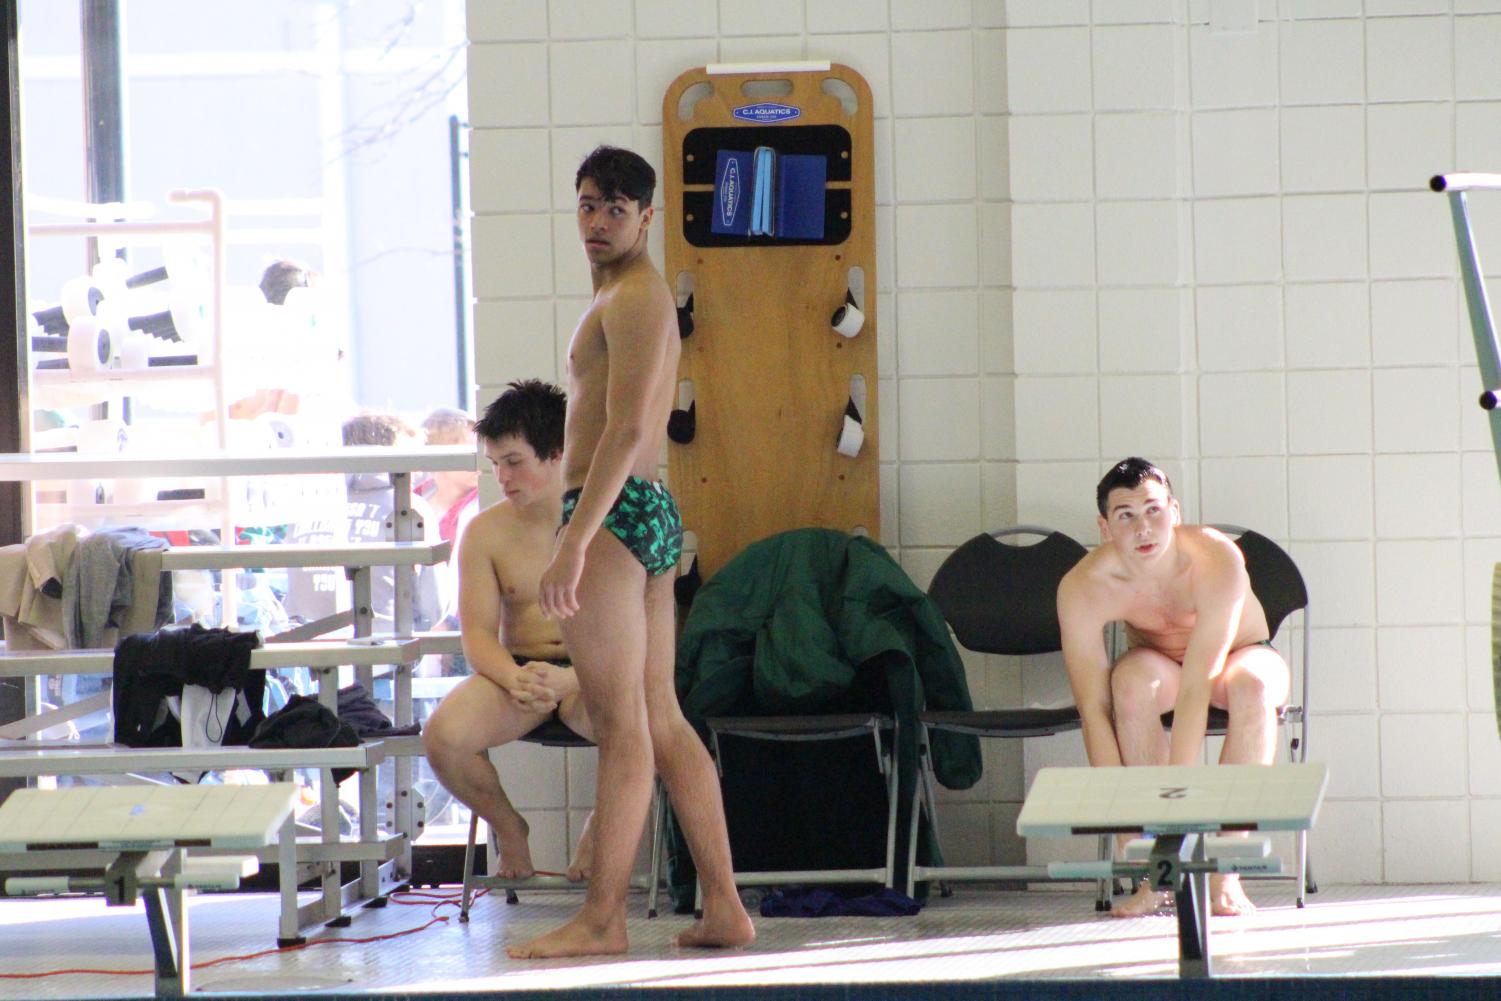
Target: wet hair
(532, 410)
(375, 429)
(447, 427)
(618, 172)
(281, 277)
(1128, 474)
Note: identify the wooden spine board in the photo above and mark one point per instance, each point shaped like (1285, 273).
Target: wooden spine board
(785, 382)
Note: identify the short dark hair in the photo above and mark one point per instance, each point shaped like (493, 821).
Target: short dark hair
(1128, 474)
(281, 277)
(531, 409)
(618, 172)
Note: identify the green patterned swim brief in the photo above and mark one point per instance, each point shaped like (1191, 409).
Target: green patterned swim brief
(645, 518)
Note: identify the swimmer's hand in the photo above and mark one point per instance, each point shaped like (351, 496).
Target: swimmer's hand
(560, 681)
(557, 595)
(528, 689)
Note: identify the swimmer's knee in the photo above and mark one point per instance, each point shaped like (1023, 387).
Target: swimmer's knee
(1247, 689)
(1136, 675)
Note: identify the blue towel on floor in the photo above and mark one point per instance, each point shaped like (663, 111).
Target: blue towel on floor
(819, 902)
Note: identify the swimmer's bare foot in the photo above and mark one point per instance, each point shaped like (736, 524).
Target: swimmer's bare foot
(722, 927)
(577, 938)
(1144, 901)
(515, 861)
(582, 866)
(1227, 896)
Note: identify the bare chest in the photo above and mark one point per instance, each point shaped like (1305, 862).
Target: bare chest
(518, 569)
(1161, 608)
(586, 348)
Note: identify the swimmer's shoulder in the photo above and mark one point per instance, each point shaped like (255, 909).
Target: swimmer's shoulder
(1090, 581)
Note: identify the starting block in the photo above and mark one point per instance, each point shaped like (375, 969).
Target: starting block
(1179, 809)
(148, 830)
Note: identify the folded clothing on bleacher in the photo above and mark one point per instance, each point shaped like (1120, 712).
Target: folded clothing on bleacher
(357, 708)
(99, 583)
(152, 671)
(305, 722)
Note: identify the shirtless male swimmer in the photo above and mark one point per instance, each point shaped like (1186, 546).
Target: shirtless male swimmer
(1197, 636)
(520, 675)
(610, 579)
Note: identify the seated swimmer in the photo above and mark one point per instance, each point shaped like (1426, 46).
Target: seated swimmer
(1197, 638)
(521, 674)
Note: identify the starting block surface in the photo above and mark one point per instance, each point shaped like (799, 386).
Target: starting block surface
(1172, 799)
(143, 818)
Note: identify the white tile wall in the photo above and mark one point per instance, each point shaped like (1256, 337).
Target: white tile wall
(1420, 668)
(1425, 840)
(938, 246)
(1348, 744)
(1141, 414)
(1055, 331)
(1240, 327)
(1233, 70)
(1137, 243)
(1419, 582)
(1330, 497)
(1322, 62)
(932, 73)
(1048, 69)
(1328, 325)
(1346, 844)
(1328, 411)
(1323, 148)
(1051, 158)
(1137, 155)
(1053, 245)
(1143, 329)
(1342, 674)
(1235, 152)
(1136, 67)
(1323, 237)
(1213, 247)
(1226, 422)
(1408, 143)
(1409, 59)
(1414, 409)
(1407, 318)
(941, 420)
(937, 333)
(1237, 240)
(922, 177)
(1250, 492)
(1057, 418)
(1341, 577)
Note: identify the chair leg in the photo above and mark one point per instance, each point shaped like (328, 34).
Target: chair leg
(468, 868)
(1306, 883)
(892, 791)
(918, 798)
(1105, 888)
(925, 774)
(658, 835)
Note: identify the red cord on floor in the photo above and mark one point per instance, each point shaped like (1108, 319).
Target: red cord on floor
(398, 897)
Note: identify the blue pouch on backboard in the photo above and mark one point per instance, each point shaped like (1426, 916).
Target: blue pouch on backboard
(732, 193)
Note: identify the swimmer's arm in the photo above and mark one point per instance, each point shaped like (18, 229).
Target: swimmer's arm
(480, 612)
(636, 341)
(1220, 594)
(1088, 665)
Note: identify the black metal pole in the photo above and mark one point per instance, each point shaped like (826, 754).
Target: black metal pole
(13, 265)
(102, 42)
(12, 316)
(103, 98)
